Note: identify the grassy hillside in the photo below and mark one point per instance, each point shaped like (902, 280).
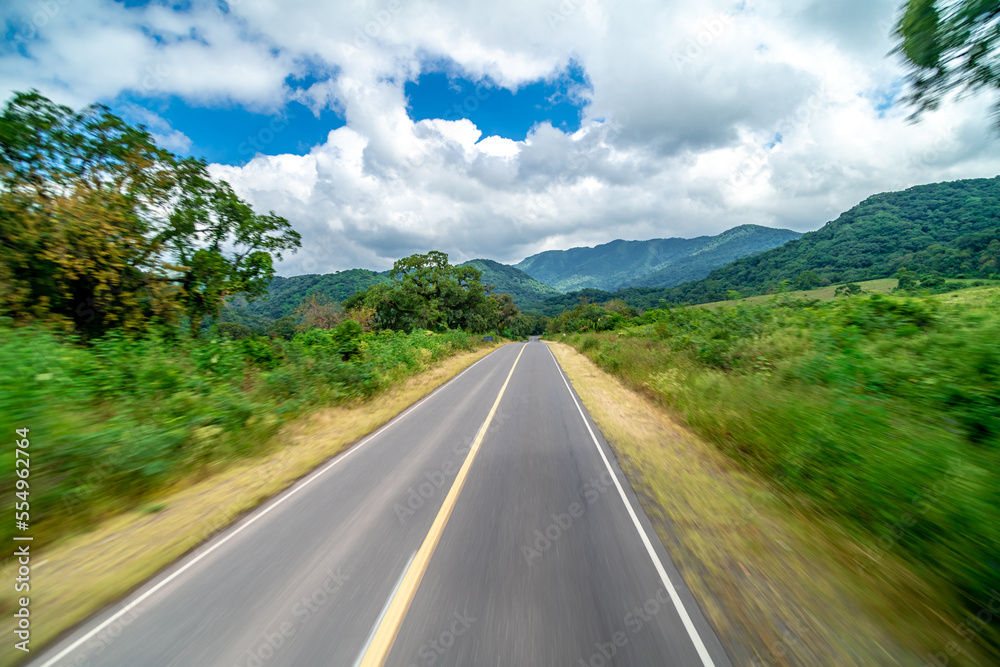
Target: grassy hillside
(946, 229)
(526, 290)
(656, 262)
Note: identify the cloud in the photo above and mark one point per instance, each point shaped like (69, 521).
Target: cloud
(697, 116)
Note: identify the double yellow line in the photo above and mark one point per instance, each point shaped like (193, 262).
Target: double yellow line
(387, 630)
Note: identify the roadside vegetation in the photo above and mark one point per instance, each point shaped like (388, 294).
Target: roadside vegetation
(880, 412)
(119, 419)
(117, 260)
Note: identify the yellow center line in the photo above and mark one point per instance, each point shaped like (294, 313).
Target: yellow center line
(384, 637)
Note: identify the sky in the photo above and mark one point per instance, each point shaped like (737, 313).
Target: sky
(383, 128)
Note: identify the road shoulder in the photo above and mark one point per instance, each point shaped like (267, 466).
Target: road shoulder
(777, 587)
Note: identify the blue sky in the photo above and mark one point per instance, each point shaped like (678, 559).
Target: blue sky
(233, 135)
(381, 128)
(496, 110)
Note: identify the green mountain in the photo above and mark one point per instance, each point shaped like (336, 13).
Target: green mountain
(653, 263)
(526, 290)
(945, 229)
(284, 294)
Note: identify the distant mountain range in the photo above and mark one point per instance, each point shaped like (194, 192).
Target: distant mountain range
(948, 229)
(652, 263)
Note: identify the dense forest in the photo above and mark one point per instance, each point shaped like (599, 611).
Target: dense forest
(937, 231)
(503, 278)
(951, 230)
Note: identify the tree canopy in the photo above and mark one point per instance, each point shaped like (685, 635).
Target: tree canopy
(949, 46)
(427, 292)
(104, 229)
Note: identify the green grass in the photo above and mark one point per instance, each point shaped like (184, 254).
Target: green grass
(880, 412)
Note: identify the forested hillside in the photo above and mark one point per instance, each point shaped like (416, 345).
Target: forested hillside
(506, 279)
(284, 294)
(656, 262)
(950, 230)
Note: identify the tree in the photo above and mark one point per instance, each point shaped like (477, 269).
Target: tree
(949, 46)
(429, 293)
(808, 280)
(103, 229)
(850, 289)
(234, 330)
(318, 311)
(206, 219)
(907, 279)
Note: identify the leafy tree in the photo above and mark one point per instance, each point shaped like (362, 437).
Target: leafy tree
(949, 46)
(234, 330)
(850, 289)
(347, 337)
(808, 280)
(103, 229)
(206, 219)
(283, 327)
(907, 279)
(429, 293)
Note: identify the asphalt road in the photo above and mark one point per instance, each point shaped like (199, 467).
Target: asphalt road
(487, 525)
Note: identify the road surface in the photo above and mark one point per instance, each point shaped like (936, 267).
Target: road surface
(487, 525)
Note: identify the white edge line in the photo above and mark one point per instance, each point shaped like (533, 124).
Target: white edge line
(261, 512)
(699, 646)
(385, 608)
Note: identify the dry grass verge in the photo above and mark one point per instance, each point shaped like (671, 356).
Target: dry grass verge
(86, 572)
(780, 587)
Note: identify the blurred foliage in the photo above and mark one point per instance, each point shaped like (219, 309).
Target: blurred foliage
(122, 417)
(104, 230)
(949, 46)
(882, 412)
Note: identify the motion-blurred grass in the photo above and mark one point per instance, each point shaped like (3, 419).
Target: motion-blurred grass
(882, 412)
(116, 420)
